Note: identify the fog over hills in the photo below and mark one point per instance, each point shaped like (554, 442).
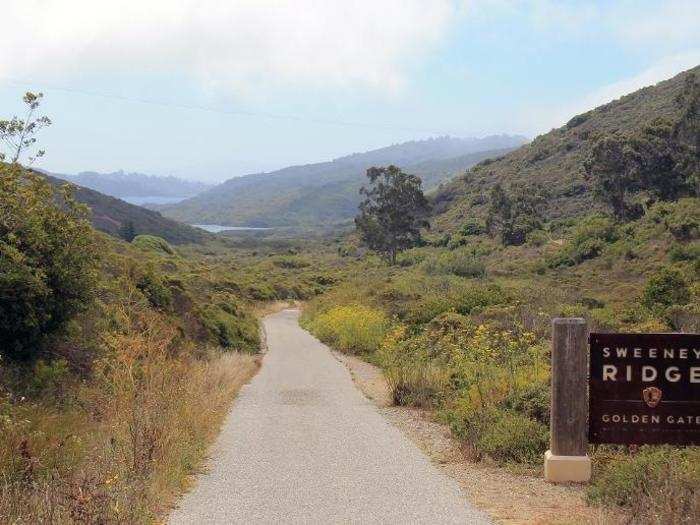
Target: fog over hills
(328, 192)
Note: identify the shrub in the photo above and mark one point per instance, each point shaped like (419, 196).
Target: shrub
(153, 243)
(460, 263)
(155, 290)
(684, 252)
(659, 484)
(48, 261)
(49, 377)
(473, 227)
(511, 436)
(473, 298)
(291, 262)
(537, 238)
(353, 328)
(418, 384)
(665, 288)
(588, 240)
(232, 332)
(683, 221)
(532, 400)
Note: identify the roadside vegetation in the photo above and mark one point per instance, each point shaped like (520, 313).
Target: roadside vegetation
(118, 357)
(119, 360)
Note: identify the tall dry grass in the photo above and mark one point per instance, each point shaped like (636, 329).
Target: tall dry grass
(124, 444)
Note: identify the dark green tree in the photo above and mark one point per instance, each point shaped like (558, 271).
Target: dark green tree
(613, 167)
(393, 211)
(127, 231)
(659, 162)
(48, 254)
(48, 261)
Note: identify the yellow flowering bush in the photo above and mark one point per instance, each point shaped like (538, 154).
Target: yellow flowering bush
(352, 328)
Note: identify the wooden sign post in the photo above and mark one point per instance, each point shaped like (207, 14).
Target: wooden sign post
(567, 459)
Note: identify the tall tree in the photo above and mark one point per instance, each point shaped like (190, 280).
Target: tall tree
(19, 134)
(393, 212)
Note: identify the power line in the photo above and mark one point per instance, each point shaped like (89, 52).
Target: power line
(209, 109)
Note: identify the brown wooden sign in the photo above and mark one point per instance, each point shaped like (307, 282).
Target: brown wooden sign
(644, 389)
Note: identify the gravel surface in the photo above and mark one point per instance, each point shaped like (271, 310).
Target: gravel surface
(303, 445)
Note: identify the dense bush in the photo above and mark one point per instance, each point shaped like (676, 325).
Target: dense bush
(685, 252)
(511, 436)
(153, 243)
(588, 240)
(684, 219)
(232, 332)
(473, 227)
(48, 261)
(155, 290)
(665, 288)
(660, 484)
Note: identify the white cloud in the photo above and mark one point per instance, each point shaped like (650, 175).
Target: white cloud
(667, 22)
(240, 45)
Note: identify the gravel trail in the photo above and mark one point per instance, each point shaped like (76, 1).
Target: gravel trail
(303, 445)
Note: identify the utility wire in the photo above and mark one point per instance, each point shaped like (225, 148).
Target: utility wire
(237, 112)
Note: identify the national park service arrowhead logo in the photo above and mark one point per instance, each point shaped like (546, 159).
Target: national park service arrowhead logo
(652, 396)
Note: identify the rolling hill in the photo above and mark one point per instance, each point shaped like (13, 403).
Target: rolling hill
(109, 214)
(327, 192)
(556, 159)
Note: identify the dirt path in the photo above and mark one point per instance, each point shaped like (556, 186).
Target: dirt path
(507, 497)
(303, 445)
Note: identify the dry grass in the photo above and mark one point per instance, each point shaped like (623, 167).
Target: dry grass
(124, 446)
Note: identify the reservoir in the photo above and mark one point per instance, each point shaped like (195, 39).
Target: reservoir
(217, 228)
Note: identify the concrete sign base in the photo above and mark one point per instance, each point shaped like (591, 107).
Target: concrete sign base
(562, 469)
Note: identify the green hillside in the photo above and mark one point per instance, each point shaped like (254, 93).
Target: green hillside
(110, 215)
(556, 159)
(327, 192)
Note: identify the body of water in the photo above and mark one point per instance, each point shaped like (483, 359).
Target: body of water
(217, 228)
(140, 201)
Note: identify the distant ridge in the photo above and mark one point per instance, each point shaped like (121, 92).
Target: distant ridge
(327, 193)
(109, 214)
(120, 184)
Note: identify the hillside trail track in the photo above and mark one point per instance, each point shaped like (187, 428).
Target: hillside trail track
(303, 445)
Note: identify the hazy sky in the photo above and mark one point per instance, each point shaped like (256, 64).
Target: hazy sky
(209, 89)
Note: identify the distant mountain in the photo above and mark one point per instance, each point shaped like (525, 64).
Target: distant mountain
(121, 185)
(328, 192)
(109, 214)
(556, 159)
